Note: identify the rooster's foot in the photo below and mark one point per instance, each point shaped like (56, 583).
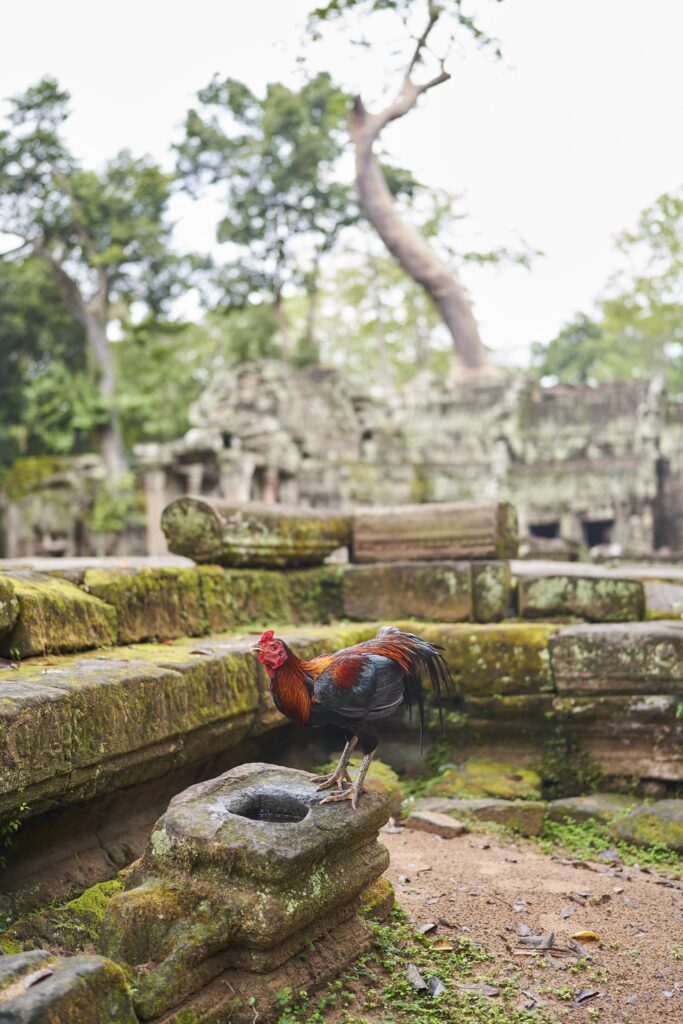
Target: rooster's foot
(337, 778)
(351, 794)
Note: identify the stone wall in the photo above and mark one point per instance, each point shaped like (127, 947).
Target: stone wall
(597, 467)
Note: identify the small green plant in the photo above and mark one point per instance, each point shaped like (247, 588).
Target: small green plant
(586, 839)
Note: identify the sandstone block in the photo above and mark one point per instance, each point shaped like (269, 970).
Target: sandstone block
(460, 530)
(626, 736)
(78, 988)
(9, 606)
(440, 591)
(496, 659)
(235, 873)
(483, 777)
(601, 806)
(54, 616)
(251, 534)
(661, 822)
(150, 603)
(437, 824)
(491, 590)
(587, 597)
(641, 657)
(524, 816)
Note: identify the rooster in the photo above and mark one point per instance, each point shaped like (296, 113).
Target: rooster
(353, 689)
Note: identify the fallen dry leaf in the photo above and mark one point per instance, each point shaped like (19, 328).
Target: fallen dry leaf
(586, 936)
(443, 946)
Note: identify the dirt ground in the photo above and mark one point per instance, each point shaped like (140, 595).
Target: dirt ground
(487, 888)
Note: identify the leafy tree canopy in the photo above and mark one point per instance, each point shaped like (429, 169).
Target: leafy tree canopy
(637, 328)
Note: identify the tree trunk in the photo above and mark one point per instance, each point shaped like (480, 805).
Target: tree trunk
(110, 435)
(94, 326)
(406, 244)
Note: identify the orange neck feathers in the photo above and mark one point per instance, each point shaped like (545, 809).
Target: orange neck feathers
(288, 686)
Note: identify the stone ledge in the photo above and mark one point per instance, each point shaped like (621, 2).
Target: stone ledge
(639, 657)
(586, 597)
(54, 616)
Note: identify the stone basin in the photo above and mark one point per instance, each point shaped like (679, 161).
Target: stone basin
(240, 874)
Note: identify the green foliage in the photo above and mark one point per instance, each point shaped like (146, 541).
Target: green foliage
(275, 161)
(637, 329)
(117, 505)
(48, 402)
(378, 982)
(587, 839)
(91, 244)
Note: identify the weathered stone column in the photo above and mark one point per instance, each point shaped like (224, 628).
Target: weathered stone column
(241, 876)
(155, 502)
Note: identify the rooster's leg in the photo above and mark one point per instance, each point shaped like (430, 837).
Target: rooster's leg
(340, 775)
(357, 787)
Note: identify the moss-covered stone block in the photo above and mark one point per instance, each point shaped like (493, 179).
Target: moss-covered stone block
(73, 927)
(491, 591)
(483, 777)
(78, 990)
(661, 823)
(151, 603)
(524, 816)
(235, 597)
(440, 591)
(235, 873)
(639, 657)
(377, 900)
(252, 534)
(626, 736)
(587, 597)
(9, 606)
(54, 617)
(598, 806)
(497, 659)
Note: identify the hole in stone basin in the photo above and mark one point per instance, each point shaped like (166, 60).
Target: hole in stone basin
(272, 807)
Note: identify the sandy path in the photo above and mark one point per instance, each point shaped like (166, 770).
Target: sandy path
(482, 886)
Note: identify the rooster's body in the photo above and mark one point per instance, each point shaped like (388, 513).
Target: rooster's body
(353, 689)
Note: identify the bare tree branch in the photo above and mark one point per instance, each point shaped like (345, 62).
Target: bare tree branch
(434, 13)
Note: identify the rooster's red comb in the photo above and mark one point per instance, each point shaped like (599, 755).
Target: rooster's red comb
(268, 635)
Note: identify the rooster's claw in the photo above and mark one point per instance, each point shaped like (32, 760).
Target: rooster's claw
(328, 781)
(351, 794)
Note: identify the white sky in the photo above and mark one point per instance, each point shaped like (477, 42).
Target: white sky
(561, 144)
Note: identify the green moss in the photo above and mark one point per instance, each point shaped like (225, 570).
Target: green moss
(483, 777)
(26, 475)
(55, 616)
(73, 927)
(160, 602)
(377, 900)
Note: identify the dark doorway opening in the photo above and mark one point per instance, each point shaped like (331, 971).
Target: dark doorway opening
(597, 531)
(544, 529)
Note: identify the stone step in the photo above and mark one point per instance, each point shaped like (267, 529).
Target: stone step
(638, 657)
(597, 600)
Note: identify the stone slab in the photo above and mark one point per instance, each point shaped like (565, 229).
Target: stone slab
(597, 600)
(491, 590)
(159, 603)
(440, 591)
(496, 659)
(599, 806)
(525, 816)
(73, 989)
(459, 530)
(626, 736)
(437, 824)
(639, 657)
(253, 534)
(660, 822)
(54, 617)
(9, 606)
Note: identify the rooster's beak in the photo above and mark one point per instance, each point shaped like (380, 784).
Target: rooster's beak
(256, 646)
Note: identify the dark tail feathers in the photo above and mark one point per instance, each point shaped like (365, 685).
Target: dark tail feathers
(422, 657)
